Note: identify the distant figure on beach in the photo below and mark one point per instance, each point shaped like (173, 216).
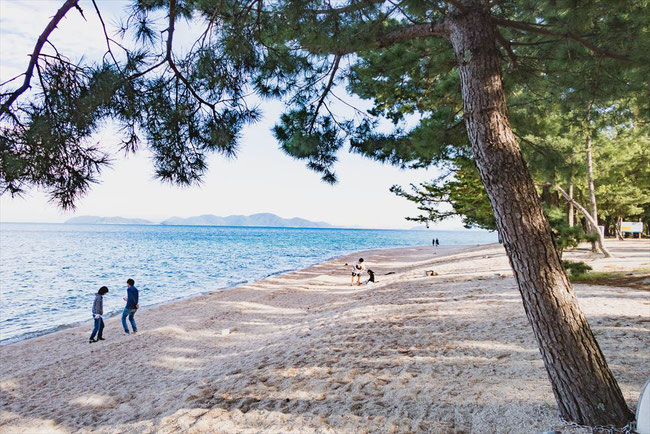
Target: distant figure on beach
(98, 311)
(357, 271)
(437, 242)
(131, 306)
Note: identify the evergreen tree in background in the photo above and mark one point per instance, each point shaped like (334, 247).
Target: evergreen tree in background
(461, 58)
(458, 193)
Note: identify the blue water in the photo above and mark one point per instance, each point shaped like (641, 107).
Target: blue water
(49, 273)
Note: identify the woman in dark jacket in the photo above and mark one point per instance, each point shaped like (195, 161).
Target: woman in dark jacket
(98, 311)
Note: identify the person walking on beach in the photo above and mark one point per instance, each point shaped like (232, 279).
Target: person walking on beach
(357, 270)
(437, 242)
(98, 311)
(131, 306)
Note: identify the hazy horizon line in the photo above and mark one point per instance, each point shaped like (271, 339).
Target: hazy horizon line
(235, 226)
(159, 220)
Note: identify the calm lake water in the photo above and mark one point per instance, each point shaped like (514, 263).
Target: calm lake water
(49, 273)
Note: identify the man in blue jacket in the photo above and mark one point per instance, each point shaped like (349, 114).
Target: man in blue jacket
(131, 306)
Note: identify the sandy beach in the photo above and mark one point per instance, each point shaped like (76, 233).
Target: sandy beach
(305, 352)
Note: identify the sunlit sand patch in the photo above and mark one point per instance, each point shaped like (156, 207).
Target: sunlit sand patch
(94, 400)
(181, 350)
(250, 307)
(306, 372)
(177, 332)
(170, 329)
(10, 387)
(328, 278)
(496, 346)
(16, 423)
(178, 363)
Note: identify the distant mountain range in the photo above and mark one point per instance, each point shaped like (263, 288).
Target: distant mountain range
(262, 219)
(94, 220)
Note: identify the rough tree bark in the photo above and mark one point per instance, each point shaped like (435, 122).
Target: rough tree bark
(584, 387)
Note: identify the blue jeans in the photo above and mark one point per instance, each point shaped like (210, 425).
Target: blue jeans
(129, 313)
(98, 329)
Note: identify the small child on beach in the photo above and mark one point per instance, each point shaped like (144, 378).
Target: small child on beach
(357, 271)
(98, 311)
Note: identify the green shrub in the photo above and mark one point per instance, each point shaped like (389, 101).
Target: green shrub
(576, 268)
(565, 236)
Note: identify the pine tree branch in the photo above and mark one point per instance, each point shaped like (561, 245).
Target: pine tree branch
(170, 60)
(148, 70)
(81, 11)
(539, 149)
(42, 39)
(335, 68)
(506, 45)
(108, 39)
(353, 7)
(357, 6)
(358, 111)
(529, 27)
(407, 33)
(413, 32)
(12, 79)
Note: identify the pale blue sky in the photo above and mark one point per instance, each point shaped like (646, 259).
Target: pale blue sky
(261, 179)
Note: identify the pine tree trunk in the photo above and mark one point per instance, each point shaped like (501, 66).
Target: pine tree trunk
(591, 189)
(571, 211)
(600, 241)
(584, 387)
(619, 222)
(590, 179)
(591, 223)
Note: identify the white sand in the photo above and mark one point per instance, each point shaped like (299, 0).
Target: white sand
(309, 353)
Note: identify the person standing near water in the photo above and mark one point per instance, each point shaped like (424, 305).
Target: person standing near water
(357, 270)
(98, 311)
(437, 242)
(131, 306)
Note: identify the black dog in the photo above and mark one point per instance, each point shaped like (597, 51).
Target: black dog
(372, 276)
